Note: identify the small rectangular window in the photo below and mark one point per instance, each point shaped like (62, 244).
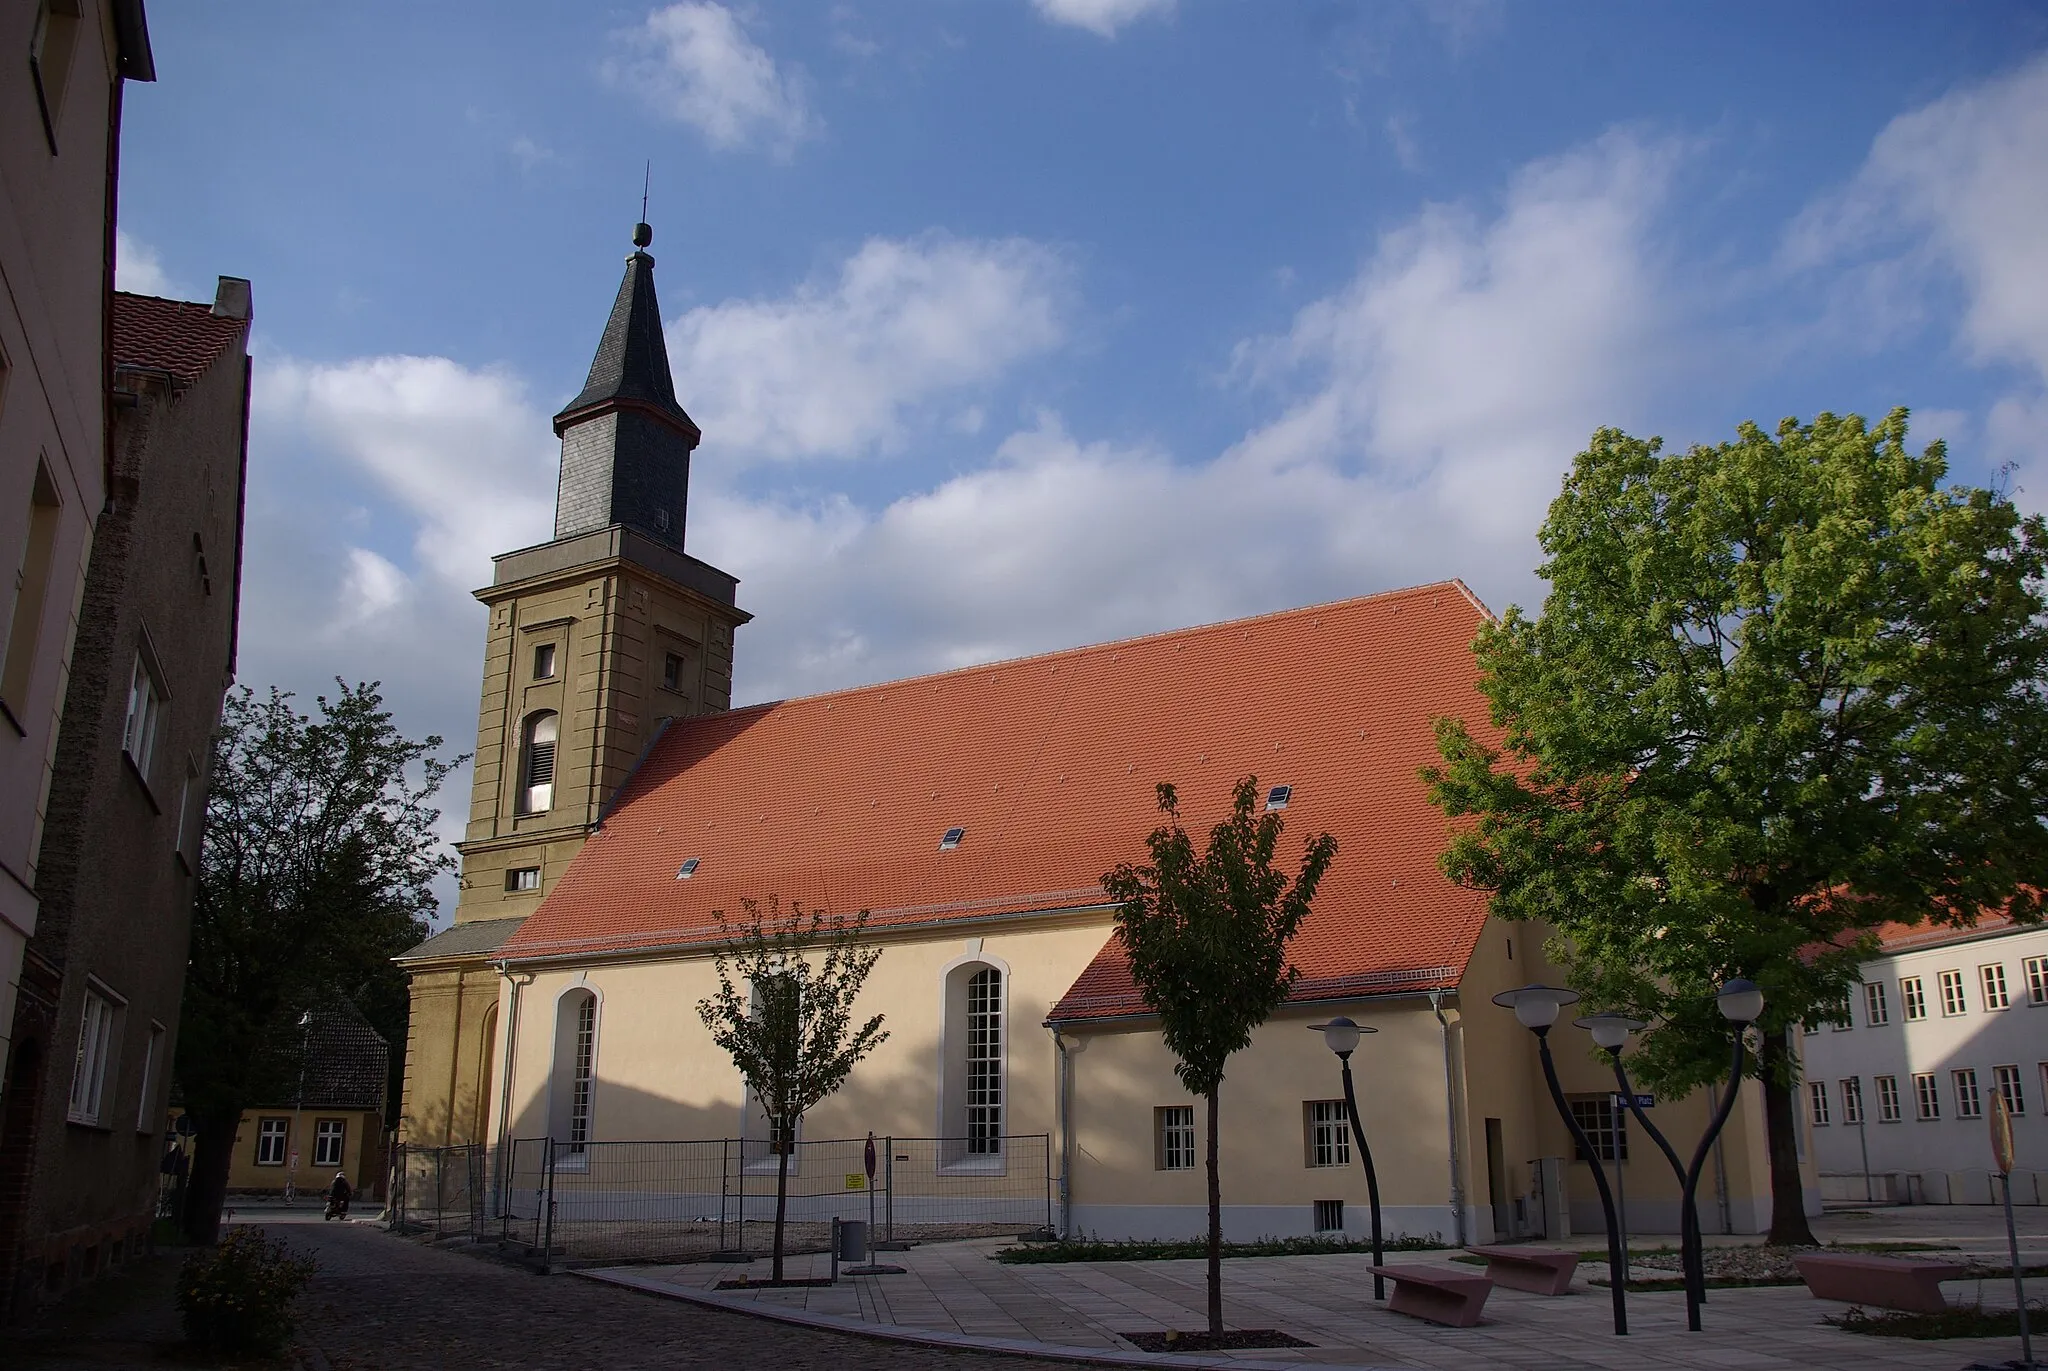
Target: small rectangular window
(1876, 1012)
(1175, 1125)
(1817, 1096)
(1914, 997)
(1926, 1096)
(1596, 1115)
(1852, 1100)
(270, 1141)
(687, 869)
(1969, 1104)
(1887, 1099)
(672, 671)
(2037, 980)
(544, 662)
(328, 1137)
(89, 1064)
(1952, 1002)
(1278, 796)
(1329, 1135)
(2009, 1088)
(145, 714)
(1992, 978)
(523, 878)
(1329, 1216)
(951, 839)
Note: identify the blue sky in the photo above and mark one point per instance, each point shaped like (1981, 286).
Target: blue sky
(1025, 323)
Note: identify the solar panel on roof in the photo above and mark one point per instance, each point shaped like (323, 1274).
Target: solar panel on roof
(1278, 796)
(687, 870)
(952, 839)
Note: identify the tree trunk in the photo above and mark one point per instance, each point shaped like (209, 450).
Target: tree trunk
(783, 1147)
(1781, 1129)
(212, 1157)
(1215, 1229)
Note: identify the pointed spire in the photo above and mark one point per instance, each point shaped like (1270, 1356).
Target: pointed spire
(631, 366)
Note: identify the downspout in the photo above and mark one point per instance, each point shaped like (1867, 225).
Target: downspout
(1066, 1103)
(1436, 1005)
(507, 1057)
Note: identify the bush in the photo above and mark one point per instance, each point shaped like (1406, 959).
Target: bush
(238, 1297)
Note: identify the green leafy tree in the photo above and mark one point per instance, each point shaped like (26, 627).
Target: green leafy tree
(317, 868)
(1206, 934)
(784, 1013)
(1782, 689)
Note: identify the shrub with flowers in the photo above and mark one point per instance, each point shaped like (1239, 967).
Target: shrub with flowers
(238, 1296)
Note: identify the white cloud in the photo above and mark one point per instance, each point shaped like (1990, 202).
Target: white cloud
(530, 154)
(1963, 181)
(694, 63)
(1426, 413)
(1101, 17)
(138, 269)
(839, 365)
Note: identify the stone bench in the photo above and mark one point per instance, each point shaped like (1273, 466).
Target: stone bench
(1908, 1283)
(1538, 1270)
(1427, 1292)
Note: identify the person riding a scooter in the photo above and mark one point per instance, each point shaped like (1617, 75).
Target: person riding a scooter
(338, 1196)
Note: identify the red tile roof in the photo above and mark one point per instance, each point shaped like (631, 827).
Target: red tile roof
(176, 336)
(1049, 764)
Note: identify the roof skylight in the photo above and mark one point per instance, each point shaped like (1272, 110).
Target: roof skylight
(1278, 796)
(951, 839)
(687, 869)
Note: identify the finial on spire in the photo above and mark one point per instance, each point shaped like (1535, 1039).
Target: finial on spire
(642, 233)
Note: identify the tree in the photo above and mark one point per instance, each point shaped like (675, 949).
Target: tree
(1207, 940)
(1782, 690)
(784, 1014)
(316, 868)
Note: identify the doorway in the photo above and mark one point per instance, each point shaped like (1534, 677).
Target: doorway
(1497, 1181)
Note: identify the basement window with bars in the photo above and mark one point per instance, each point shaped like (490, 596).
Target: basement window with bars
(1329, 1216)
(1596, 1116)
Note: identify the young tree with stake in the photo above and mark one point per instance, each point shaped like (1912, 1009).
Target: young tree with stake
(1207, 937)
(784, 1014)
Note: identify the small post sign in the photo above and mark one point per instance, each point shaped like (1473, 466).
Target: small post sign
(2001, 1155)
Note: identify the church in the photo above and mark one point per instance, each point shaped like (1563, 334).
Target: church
(620, 800)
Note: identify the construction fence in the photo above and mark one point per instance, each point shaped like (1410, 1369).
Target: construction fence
(700, 1198)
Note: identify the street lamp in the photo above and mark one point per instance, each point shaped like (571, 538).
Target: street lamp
(291, 1173)
(1741, 1003)
(1536, 1008)
(1341, 1036)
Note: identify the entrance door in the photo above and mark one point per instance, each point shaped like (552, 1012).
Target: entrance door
(1497, 1182)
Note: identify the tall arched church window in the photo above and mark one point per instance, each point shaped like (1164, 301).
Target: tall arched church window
(984, 1062)
(537, 763)
(575, 1073)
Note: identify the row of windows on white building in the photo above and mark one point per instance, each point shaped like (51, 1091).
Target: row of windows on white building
(1951, 992)
(1966, 1095)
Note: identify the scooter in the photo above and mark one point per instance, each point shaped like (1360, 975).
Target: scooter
(337, 1208)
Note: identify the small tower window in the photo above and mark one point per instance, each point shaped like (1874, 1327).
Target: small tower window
(1278, 796)
(523, 878)
(544, 662)
(951, 839)
(537, 764)
(672, 671)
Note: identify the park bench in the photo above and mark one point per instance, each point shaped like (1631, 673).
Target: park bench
(1427, 1292)
(1890, 1282)
(1538, 1270)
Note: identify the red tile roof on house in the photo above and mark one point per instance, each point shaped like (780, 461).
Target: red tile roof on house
(1049, 765)
(176, 336)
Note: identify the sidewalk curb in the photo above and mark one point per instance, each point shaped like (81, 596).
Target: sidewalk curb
(957, 1342)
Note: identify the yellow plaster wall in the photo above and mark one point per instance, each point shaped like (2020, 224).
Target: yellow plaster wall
(449, 1051)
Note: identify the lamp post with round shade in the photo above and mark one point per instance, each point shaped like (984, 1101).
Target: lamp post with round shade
(1741, 1003)
(1341, 1036)
(1536, 1008)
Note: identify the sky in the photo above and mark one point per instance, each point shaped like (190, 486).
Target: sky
(1015, 325)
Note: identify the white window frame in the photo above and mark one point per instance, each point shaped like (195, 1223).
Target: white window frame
(1991, 985)
(1173, 1128)
(1852, 1099)
(956, 1069)
(1913, 994)
(275, 1129)
(2006, 1080)
(1326, 1126)
(92, 1063)
(1954, 1002)
(324, 1132)
(1817, 1103)
(1888, 1104)
(146, 700)
(2037, 980)
(988, 1038)
(1969, 1095)
(1926, 1097)
(1877, 1011)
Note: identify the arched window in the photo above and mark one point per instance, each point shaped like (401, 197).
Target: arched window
(537, 763)
(984, 1062)
(575, 1072)
(975, 1054)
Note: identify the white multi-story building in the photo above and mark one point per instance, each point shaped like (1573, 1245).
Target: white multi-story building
(1901, 1090)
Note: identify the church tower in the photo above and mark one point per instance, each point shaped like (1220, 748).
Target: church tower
(596, 640)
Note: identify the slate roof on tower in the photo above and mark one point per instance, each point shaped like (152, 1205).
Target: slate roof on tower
(631, 365)
(1049, 764)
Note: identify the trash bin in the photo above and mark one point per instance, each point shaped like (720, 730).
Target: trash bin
(853, 1240)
